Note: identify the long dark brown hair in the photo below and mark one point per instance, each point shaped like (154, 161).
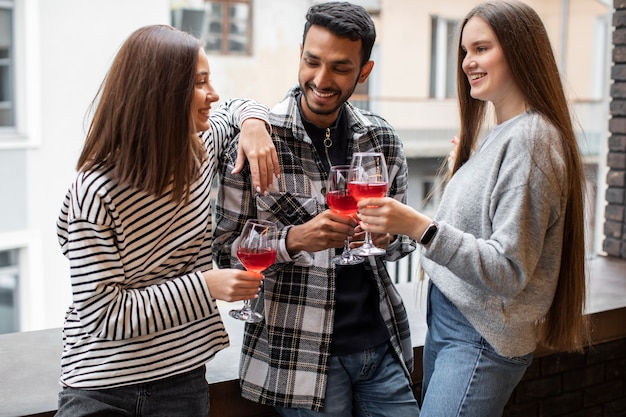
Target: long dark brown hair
(141, 126)
(529, 55)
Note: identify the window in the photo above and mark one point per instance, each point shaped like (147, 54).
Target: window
(225, 26)
(7, 105)
(9, 296)
(228, 25)
(443, 57)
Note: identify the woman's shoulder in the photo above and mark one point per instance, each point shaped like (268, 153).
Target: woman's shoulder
(90, 191)
(532, 134)
(92, 182)
(540, 144)
(535, 128)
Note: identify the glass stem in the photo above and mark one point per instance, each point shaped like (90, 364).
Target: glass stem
(346, 249)
(367, 242)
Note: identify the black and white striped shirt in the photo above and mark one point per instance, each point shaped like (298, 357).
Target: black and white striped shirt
(141, 309)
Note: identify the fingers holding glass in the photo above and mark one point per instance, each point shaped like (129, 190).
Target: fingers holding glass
(368, 179)
(256, 252)
(340, 201)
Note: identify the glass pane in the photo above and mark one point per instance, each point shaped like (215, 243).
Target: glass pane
(433, 57)
(451, 59)
(213, 43)
(9, 322)
(214, 9)
(239, 12)
(213, 34)
(5, 82)
(6, 69)
(238, 28)
(8, 258)
(236, 45)
(215, 28)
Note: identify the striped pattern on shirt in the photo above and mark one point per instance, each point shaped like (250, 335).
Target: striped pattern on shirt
(141, 309)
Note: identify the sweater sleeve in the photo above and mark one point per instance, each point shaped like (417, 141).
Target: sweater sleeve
(502, 218)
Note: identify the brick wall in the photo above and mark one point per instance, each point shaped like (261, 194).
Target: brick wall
(590, 384)
(615, 214)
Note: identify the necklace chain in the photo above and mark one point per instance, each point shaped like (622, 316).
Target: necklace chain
(328, 142)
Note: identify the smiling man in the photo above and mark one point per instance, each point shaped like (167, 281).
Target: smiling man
(335, 339)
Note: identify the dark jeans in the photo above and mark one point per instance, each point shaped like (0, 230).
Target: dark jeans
(184, 395)
(371, 383)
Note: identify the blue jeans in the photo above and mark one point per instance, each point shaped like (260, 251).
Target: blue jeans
(369, 383)
(184, 395)
(463, 375)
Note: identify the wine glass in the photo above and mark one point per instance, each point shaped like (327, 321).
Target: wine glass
(369, 179)
(340, 201)
(256, 252)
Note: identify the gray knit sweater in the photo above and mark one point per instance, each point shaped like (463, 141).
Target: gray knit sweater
(498, 250)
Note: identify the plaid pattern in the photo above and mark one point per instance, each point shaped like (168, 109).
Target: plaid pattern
(284, 359)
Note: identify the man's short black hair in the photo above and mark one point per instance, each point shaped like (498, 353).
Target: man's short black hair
(346, 20)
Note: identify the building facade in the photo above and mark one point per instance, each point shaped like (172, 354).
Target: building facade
(54, 54)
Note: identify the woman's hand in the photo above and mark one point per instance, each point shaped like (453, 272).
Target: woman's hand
(233, 284)
(453, 153)
(255, 144)
(387, 215)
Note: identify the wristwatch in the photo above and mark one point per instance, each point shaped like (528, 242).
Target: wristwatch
(429, 233)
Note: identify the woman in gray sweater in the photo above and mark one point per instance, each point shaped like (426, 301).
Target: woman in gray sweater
(505, 251)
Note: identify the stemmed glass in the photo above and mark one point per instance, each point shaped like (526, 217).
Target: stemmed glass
(369, 179)
(340, 201)
(256, 251)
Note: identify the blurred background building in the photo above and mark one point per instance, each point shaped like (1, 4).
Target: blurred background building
(55, 53)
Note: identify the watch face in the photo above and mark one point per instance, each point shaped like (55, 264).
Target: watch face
(429, 234)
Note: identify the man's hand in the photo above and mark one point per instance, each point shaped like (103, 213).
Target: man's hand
(382, 240)
(324, 231)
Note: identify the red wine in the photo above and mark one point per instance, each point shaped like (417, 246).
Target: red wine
(342, 202)
(256, 260)
(360, 190)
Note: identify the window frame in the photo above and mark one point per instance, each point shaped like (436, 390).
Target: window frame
(443, 57)
(7, 66)
(12, 270)
(226, 35)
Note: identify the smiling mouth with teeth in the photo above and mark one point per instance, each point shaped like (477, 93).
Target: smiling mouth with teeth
(476, 76)
(320, 94)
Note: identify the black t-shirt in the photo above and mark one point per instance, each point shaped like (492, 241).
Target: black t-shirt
(358, 323)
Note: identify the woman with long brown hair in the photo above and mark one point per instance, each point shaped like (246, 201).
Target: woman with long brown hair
(505, 251)
(136, 227)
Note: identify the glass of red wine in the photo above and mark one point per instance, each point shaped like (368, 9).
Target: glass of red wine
(340, 201)
(368, 179)
(256, 252)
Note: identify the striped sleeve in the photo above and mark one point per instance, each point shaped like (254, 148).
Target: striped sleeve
(226, 121)
(101, 254)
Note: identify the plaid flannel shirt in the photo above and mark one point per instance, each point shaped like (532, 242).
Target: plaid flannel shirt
(284, 358)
